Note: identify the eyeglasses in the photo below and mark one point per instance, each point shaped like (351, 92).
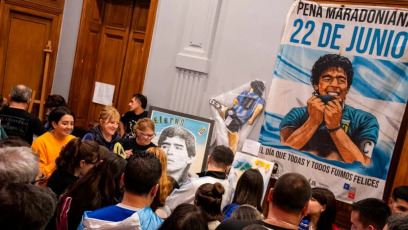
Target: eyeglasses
(148, 135)
(41, 179)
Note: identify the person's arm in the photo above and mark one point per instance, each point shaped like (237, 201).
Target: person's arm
(258, 109)
(348, 150)
(39, 148)
(38, 127)
(297, 138)
(121, 130)
(185, 194)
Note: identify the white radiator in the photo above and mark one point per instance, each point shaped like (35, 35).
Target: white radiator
(187, 93)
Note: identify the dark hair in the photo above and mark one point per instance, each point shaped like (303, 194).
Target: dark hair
(13, 141)
(142, 172)
(245, 212)
(222, 156)
(249, 189)
(26, 206)
(77, 150)
(57, 113)
(209, 197)
(185, 217)
(331, 60)
(291, 193)
(177, 131)
(258, 87)
(325, 197)
(54, 100)
(142, 99)
(397, 222)
(400, 192)
(97, 189)
(372, 211)
(20, 93)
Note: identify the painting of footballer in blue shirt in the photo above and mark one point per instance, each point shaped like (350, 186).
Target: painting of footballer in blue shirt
(327, 127)
(246, 107)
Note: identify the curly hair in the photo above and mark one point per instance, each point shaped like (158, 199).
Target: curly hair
(77, 150)
(331, 60)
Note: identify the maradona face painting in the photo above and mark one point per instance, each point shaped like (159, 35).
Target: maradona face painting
(338, 96)
(184, 138)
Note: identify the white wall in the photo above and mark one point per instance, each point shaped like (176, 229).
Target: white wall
(245, 48)
(246, 44)
(67, 47)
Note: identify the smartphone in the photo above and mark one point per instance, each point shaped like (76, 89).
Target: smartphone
(325, 98)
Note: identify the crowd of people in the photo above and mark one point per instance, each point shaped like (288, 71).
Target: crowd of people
(114, 177)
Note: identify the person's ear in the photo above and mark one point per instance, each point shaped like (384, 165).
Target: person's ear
(122, 180)
(81, 163)
(323, 207)
(304, 210)
(315, 87)
(100, 121)
(390, 200)
(208, 160)
(370, 227)
(227, 169)
(270, 197)
(154, 190)
(190, 160)
(53, 124)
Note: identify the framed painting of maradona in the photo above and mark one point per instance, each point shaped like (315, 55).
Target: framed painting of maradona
(184, 138)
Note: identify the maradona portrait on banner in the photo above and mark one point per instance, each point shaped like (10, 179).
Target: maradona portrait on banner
(327, 127)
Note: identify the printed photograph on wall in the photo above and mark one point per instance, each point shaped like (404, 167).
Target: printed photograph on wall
(338, 96)
(184, 138)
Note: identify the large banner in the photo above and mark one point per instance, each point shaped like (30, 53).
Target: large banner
(338, 96)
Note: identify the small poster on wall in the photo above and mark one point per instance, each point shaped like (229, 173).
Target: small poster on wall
(243, 162)
(185, 139)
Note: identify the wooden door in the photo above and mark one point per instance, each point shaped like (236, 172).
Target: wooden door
(113, 47)
(25, 29)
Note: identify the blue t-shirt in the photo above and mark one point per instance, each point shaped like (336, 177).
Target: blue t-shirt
(358, 124)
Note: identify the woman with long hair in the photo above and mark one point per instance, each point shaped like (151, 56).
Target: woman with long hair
(144, 131)
(75, 160)
(249, 190)
(48, 146)
(166, 185)
(321, 210)
(99, 188)
(105, 133)
(185, 217)
(209, 197)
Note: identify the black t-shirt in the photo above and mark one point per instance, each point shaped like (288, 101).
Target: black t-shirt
(134, 146)
(240, 224)
(20, 123)
(129, 119)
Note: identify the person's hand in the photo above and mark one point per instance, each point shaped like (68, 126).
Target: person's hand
(332, 114)
(128, 153)
(315, 108)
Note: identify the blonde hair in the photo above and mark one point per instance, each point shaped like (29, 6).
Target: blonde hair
(165, 184)
(143, 124)
(109, 113)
